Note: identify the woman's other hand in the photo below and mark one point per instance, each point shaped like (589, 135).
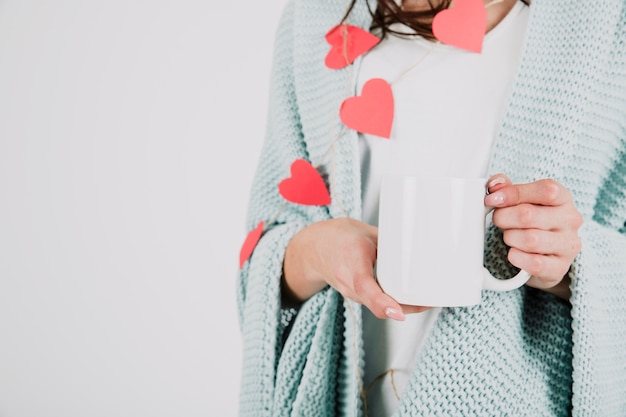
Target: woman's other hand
(341, 253)
(540, 225)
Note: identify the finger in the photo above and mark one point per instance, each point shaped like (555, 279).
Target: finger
(528, 216)
(372, 296)
(411, 309)
(546, 270)
(496, 182)
(544, 192)
(536, 241)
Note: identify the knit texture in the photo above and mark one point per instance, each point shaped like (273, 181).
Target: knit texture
(519, 353)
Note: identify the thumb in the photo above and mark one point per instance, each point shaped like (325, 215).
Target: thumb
(379, 303)
(497, 182)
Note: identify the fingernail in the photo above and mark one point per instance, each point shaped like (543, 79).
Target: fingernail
(394, 314)
(496, 181)
(494, 199)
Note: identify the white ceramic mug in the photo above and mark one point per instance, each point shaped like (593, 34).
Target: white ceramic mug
(431, 237)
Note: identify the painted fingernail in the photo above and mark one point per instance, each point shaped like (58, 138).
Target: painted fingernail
(494, 199)
(496, 181)
(394, 314)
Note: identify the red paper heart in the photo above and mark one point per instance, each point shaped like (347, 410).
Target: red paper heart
(463, 25)
(250, 243)
(372, 111)
(305, 186)
(355, 40)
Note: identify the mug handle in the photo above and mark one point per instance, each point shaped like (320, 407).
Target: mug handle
(495, 284)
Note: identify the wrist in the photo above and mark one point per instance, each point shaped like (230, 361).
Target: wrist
(561, 290)
(299, 281)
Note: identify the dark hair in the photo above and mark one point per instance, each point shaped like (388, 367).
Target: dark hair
(388, 12)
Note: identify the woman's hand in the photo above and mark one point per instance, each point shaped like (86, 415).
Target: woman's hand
(341, 253)
(540, 225)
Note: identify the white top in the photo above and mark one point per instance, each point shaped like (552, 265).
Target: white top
(447, 108)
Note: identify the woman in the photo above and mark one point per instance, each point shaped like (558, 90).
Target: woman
(541, 98)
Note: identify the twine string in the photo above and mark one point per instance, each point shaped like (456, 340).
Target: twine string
(330, 151)
(418, 62)
(280, 210)
(492, 2)
(364, 390)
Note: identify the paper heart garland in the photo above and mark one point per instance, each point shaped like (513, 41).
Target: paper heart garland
(305, 186)
(463, 25)
(250, 243)
(353, 39)
(372, 111)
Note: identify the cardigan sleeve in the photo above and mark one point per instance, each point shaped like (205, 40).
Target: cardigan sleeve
(599, 304)
(599, 272)
(273, 367)
(567, 120)
(283, 144)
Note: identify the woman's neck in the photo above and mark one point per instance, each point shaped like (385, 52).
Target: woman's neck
(496, 9)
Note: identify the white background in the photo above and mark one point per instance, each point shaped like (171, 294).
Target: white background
(129, 132)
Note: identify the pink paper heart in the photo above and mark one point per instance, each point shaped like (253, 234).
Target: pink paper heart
(372, 111)
(250, 243)
(305, 186)
(463, 25)
(347, 44)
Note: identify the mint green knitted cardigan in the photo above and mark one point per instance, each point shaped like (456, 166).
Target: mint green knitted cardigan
(520, 353)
